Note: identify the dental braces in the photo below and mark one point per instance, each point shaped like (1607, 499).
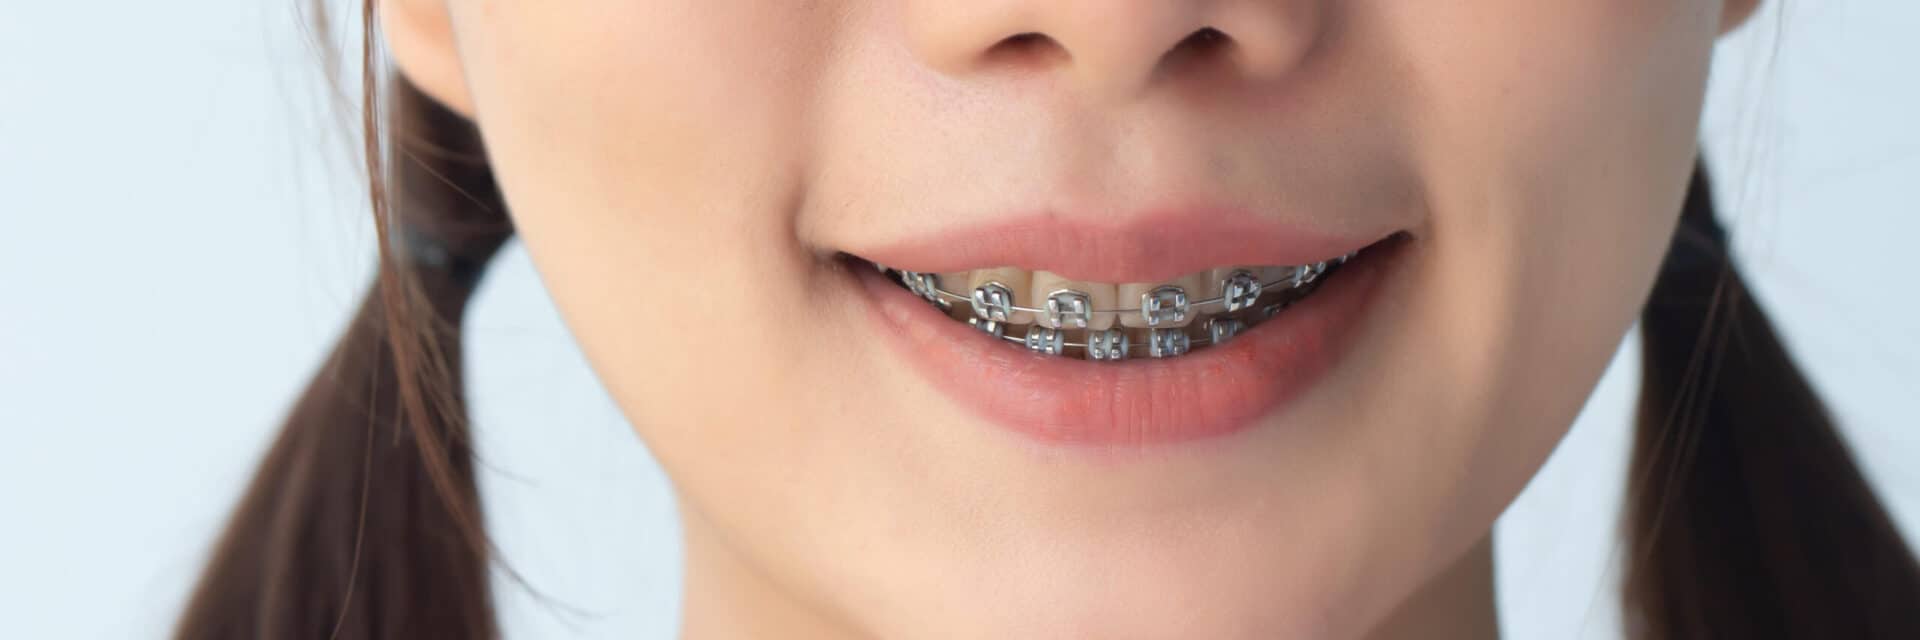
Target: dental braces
(1065, 309)
(1115, 344)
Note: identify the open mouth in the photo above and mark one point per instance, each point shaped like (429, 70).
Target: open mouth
(1089, 363)
(1053, 316)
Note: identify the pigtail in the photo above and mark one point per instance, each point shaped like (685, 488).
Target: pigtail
(1747, 517)
(364, 519)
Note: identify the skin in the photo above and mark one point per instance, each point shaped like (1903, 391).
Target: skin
(689, 149)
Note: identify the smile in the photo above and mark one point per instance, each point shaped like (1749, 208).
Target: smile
(1079, 361)
(1170, 320)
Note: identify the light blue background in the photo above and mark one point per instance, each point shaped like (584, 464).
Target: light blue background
(181, 236)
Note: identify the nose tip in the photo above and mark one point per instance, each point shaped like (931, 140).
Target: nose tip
(1112, 48)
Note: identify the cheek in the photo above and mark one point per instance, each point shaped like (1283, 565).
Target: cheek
(651, 161)
(1556, 146)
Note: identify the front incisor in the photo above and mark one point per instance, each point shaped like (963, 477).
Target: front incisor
(1130, 295)
(1101, 295)
(1017, 281)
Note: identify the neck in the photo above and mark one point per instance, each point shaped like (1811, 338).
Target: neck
(727, 596)
(1457, 604)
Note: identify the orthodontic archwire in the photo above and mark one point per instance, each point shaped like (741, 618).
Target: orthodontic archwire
(1065, 309)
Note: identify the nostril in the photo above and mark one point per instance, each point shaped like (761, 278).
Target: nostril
(1204, 39)
(1029, 48)
(1200, 45)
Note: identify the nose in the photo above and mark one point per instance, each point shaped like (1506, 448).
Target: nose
(1113, 49)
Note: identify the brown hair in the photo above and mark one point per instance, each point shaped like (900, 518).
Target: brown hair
(1747, 516)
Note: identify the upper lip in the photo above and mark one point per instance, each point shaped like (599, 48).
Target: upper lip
(1152, 247)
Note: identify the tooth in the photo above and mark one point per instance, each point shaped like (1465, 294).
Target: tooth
(1108, 345)
(1222, 329)
(1275, 278)
(988, 327)
(1207, 288)
(955, 282)
(1166, 343)
(1131, 296)
(1015, 280)
(1306, 274)
(1047, 341)
(1271, 310)
(923, 285)
(1099, 296)
(1292, 277)
(992, 301)
(1216, 288)
(1210, 285)
(1068, 309)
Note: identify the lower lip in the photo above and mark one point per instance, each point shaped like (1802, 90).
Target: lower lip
(1062, 400)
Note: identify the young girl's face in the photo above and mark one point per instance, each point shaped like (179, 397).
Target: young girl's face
(702, 184)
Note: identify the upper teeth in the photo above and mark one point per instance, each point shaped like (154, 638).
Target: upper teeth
(1003, 296)
(1014, 296)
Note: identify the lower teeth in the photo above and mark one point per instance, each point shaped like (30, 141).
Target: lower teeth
(1246, 304)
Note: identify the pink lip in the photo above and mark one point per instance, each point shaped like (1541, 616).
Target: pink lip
(1211, 392)
(1151, 248)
